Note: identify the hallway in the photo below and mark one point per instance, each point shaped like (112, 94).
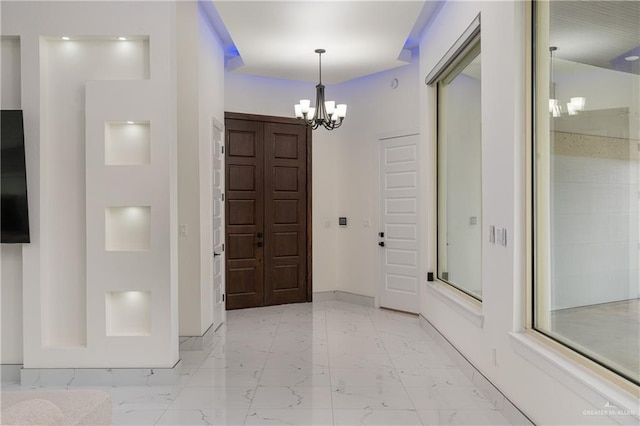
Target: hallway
(317, 363)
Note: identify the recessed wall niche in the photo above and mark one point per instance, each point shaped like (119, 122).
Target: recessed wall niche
(128, 313)
(127, 228)
(127, 143)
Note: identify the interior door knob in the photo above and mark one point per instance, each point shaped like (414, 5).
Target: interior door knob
(381, 243)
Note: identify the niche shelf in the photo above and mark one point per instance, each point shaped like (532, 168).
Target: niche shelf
(128, 313)
(127, 228)
(127, 143)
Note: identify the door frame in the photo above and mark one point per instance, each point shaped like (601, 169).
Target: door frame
(218, 125)
(380, 137)
(295, 121)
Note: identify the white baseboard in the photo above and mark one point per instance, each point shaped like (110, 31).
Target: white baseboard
(10, 373)
(71, 377)
(502, 403)
(343, 296)
(197, 343)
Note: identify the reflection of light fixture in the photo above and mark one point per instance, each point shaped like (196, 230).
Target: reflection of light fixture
(326, 113)
(65, 38)
(577, 103)
(554, 106)
(131, 122)
(574, 106)
(122, 38)
(632, 58)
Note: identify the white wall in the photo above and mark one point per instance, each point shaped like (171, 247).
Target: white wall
(547, 393)
(345, 164)
(60, 308)
(188, 169)
(200, 101)
(11, 308)
(375, 109)
(275, 97)
(10, 254)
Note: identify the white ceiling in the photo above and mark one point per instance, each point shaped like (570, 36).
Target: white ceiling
(278, 38)
(599, 33)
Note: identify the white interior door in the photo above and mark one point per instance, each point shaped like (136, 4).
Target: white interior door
(219, 312)
(398, 238)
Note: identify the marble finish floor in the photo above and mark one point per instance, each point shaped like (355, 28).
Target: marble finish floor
(321, 363)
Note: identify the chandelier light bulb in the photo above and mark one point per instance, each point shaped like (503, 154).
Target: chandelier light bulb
(330, 106)
(304, 105)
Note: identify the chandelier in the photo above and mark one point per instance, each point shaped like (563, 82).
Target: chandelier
(574, 106)
(326, 113)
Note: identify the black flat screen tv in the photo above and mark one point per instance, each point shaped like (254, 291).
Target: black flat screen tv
(14, 211)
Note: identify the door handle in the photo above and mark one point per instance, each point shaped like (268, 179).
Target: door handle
(259, 235)
(216, 254)
(259, 244)
(381, 243)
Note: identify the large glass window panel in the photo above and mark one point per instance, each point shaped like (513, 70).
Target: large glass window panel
(460, 174)
(587, 179)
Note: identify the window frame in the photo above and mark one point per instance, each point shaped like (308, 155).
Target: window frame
(466, 48)
(533, 132)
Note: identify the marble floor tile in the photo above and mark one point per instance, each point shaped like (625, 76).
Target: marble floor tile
(429, 377)
(291, 397)
(136, 417)
(288, 345)
(463, 417)
(425, 398)
(463, 398)
(295, 378)
(312, 363)
(303, 360)
(251, 360)
(221, 417)
(449, 397)
(143, 397)
(225, 377)
(367, 377)
(320, 417)
(347, 360)
(375, 398)
(205, 398)
(376, 417)
(356, 345)
(413, 361)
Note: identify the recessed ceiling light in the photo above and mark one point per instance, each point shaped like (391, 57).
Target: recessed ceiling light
(122, 38)
(65, 38)
(130, 122)
(632, 58)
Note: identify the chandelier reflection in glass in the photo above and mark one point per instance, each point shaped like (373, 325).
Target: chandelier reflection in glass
(326, 113)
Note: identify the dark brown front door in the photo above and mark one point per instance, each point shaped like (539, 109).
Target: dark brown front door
(266, 211)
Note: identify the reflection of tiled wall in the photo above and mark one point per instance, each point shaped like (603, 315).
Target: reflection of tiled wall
(595, 197)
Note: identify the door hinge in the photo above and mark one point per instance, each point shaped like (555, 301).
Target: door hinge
(223, 297)
(222, 149)
(223, 247)
(223, 196)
